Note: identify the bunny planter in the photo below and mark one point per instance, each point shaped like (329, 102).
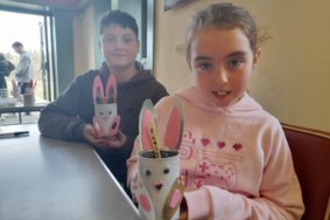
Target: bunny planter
(158, 187)
(106, 119)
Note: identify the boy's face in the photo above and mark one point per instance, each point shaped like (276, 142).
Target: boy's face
(222, 61)
(18, 49)
(119, 47)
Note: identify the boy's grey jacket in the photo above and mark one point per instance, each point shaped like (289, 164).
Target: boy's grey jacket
(66, 117)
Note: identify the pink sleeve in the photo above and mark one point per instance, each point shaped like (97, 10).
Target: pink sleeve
(132, 166)
(279, 192)
(216, 203)
(200, 209)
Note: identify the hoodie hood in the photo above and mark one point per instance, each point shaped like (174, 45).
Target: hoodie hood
(141, 77)
(192, 95)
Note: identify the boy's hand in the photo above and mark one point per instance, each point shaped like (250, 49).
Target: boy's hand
(116, 141)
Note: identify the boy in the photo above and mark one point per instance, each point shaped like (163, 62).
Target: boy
(69, 117)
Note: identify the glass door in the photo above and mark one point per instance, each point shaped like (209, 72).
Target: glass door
(33, 27)
(47, 57)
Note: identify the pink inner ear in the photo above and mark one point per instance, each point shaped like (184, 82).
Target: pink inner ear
(111, 88)
(144, 202)
(173, 129)
(147, 121)
(97, 88)
(176, 198)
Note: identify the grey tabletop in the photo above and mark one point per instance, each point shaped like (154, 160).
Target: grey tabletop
(42, 178)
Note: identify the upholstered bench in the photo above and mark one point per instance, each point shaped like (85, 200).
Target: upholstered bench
(311, 156)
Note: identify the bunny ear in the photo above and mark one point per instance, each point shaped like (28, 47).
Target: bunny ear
(174, 128)
(142, 195)
(111, 89)
(149, 139)
(98, 91)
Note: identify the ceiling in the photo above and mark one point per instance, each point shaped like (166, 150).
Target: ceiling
(56, 3)
(65, 4)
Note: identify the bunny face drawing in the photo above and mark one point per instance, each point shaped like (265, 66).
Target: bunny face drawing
(106, 119)
(158, 188)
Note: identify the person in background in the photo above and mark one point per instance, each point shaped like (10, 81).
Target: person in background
(5, 69)
(24, 72)
(235, 158)
(70, 116)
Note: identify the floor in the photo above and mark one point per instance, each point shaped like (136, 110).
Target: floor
(12, 118)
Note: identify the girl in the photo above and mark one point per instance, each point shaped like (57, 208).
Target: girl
(234, 155)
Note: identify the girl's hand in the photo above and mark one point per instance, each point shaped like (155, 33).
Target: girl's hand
(183, 215)
(183, 210)
(175, 199)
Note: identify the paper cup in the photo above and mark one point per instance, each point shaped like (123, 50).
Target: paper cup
(28, 99)
(108, 117)
(158, 175)
(3, 93)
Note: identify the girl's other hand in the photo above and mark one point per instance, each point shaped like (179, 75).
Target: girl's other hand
(183, 210)
(183, 215)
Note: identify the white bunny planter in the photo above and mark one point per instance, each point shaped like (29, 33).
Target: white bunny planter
(106, 118)
(159, 189)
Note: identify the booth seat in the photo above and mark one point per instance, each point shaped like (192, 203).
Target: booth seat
(311, 156)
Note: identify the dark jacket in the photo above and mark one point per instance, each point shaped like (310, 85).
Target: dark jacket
(66, 117)
(5, 69)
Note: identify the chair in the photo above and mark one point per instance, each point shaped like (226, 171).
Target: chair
(311, 157)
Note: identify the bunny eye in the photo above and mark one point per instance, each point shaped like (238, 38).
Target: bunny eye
(166, 170)
(147, 172)
(101, 113)
(110, 112)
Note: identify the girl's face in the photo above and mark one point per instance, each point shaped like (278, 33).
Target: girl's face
(119, 46)
(222, 61)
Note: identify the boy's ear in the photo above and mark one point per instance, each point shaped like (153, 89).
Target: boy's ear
(138, 45)
(256, 58)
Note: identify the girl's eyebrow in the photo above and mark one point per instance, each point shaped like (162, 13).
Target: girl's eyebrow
(202, 58)
(236, 54)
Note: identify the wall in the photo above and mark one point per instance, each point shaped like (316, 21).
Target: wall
(143, 12)
(87, 54)
(292, 80)
(100, 7)
(83, 32)
(133, 8)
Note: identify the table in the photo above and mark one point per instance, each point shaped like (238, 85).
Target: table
(42, 178)
(19, 107)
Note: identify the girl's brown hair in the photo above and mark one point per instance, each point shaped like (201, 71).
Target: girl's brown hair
(227, 16)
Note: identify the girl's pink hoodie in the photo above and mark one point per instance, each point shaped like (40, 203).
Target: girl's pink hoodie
(236, 160)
